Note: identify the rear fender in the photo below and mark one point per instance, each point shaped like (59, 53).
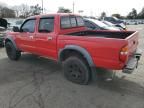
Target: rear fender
(85, 53)
(79, 49)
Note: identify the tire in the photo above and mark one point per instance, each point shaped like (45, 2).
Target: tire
(76, 70)
(1, 44)
(11, 51)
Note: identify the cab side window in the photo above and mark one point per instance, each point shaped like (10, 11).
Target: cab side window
(71, 21)
(65, 22)
(28, 26)
(46, 25)
(80, 21)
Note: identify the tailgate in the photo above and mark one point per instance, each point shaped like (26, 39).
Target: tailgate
(132, 43)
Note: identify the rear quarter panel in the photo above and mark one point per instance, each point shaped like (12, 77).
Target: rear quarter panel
(132, 43)
(104, 51)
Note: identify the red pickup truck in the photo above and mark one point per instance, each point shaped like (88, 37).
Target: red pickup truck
(64, 38)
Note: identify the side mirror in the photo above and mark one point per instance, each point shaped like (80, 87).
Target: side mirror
(16, 29)
(24, 30)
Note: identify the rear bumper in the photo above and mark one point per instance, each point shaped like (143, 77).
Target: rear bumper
(133, 62)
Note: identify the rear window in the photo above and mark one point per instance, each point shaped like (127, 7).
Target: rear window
(65, 22)
(80, 21)
(71, 21)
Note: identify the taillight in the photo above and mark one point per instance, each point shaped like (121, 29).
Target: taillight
(124, 54)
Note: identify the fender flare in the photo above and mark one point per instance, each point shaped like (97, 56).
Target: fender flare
(9, 38)
(82, 50)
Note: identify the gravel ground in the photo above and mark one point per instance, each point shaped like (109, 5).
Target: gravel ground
(34, 82)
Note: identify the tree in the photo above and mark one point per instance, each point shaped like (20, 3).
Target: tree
(80, 11)
(24, 11)
(17, 10)
(103, 14)
(141, 14)
(132, 14)
(35, 10)
(116, 15)
(8, 13)
(63, 10)
(3, 4)
(1, 7)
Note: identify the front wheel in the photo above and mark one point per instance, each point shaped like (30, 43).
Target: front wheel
(76, 70)
(11, 51)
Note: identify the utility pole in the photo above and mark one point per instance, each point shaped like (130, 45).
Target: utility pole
(73, 6)
(42, 7)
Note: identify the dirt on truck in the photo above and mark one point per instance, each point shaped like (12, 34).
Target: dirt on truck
(64, 38)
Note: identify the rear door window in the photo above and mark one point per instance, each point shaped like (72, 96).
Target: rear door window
(46, 25)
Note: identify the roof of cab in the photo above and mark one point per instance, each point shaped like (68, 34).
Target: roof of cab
(55, 14)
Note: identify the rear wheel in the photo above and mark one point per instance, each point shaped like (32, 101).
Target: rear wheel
(76, 70)
(11, 51)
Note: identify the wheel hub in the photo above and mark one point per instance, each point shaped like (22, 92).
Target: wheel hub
(75, 71)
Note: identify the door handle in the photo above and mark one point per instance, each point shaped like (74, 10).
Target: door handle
(49, 38)
(31, 37)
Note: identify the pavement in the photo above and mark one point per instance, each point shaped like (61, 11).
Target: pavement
(35, 82)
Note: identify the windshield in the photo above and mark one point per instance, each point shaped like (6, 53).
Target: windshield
(103, 25)
(99, 23)
(115, 18)
(108, 23)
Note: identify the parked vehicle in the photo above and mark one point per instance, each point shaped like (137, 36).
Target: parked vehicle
(15, 22)
(117, 22)
(132, 22)
(2, 35)
(3, 22)
(19, 22)
(64, 38)
(111, 25)
(93, 24)
(3, 26)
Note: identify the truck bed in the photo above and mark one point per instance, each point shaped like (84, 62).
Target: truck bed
(106, 34)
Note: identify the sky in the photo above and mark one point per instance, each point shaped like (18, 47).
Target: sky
(89, 7)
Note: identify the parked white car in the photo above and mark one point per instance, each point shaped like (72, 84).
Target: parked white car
(111, 25)
(94, 24)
